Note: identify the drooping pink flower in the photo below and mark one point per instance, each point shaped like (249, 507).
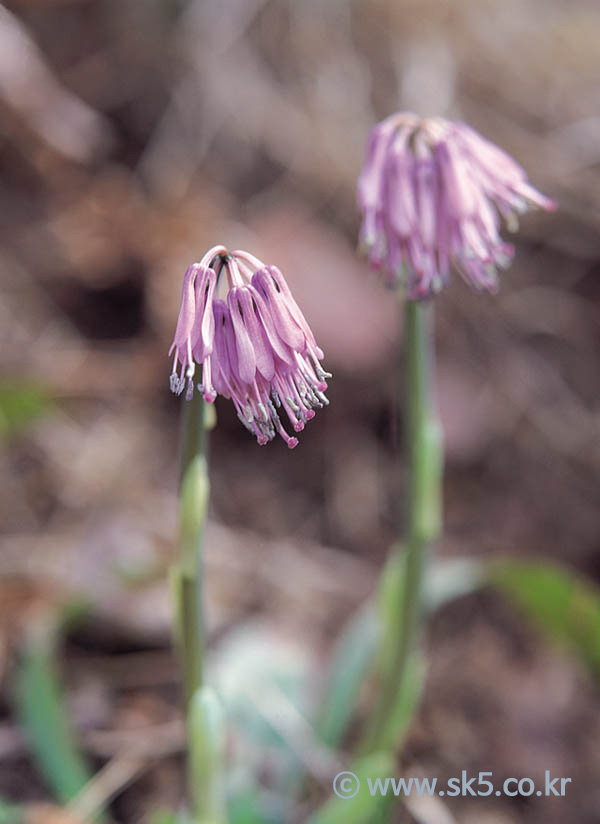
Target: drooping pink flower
(253, 344)
(431, 195)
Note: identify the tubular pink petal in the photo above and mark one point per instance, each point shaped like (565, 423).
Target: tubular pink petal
(246, 358)
(185, 320)
(265, 362)
(426, 184)
(400, 194)
(207, 326)
(220, 357)
(494, 160)
(279, 348)
(456, 180)
(291, 304)
(370, 179)
(287, 329)
(536, 198)
(204, 327)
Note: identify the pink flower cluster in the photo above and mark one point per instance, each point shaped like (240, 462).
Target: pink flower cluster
(253, 344)
(431, 194)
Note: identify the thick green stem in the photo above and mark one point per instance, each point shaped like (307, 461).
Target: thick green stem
(423, 439)
(194, 489)
(204, 733)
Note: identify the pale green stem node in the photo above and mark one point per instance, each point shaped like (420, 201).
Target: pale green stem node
(206, 741)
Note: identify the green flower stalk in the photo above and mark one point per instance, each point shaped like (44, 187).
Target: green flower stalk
(424, 457)
(205, 726)
(194, 493)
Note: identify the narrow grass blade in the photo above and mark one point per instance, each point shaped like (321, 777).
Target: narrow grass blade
(560, 602)
(42, 713)
(350, 663)
(352, 801)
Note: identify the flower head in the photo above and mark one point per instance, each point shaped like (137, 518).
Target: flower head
(253, 344)
(431, 194)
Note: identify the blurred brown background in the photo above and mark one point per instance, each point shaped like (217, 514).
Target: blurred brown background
(134, 134)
